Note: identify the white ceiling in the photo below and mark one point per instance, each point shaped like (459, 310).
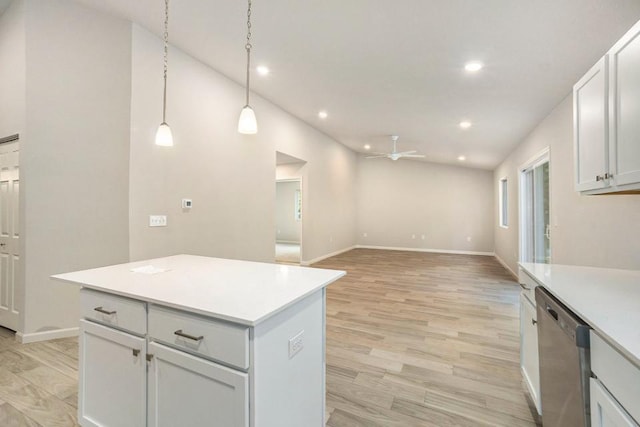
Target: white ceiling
(382, 67)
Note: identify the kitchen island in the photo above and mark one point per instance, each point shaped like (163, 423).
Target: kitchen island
(193, 341)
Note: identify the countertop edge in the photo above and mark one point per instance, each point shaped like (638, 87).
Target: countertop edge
(241, 321)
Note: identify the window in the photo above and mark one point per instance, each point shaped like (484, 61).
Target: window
(504, 203)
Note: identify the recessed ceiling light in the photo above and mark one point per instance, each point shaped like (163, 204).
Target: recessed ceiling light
(323, 114)
(473, 66)
(465, 124)
(263, 70)
(462, 158)
(367, 147)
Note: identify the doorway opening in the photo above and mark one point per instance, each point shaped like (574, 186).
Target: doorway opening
(535, 233)
(10, 278)
(289, 209)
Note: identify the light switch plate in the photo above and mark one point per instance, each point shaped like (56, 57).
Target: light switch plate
(157, 220)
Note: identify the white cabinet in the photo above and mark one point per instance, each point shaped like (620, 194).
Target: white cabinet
(529, 363)
(615, 391)
(112, 387)
(218, 396)
(605, 410)
(606, 106)
(624, 86)
(591, 139)
(190, 370)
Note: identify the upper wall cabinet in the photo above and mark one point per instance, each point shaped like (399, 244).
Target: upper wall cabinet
(590, 128)
(606, 109)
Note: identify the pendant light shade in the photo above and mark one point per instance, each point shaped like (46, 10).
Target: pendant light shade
(247, 123)
(164, 138)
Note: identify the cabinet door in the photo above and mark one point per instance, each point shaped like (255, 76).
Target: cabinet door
(186, 390)
(590, 128)
(529, 348)
(112, 388)
(605, 411)
(625, 105)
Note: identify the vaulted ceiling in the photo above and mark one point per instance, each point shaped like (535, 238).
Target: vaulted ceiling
(381, 67)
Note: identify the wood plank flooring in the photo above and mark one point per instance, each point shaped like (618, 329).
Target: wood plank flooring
(413, 339)
(423, 339)
(38, 382)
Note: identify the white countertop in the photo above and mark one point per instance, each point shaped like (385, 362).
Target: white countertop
(607, 299)
(238, 291)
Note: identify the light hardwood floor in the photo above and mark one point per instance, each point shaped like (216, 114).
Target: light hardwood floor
(413, 339)
(423, 339)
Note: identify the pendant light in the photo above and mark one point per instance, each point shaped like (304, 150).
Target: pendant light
(247, 123)
(163, 135)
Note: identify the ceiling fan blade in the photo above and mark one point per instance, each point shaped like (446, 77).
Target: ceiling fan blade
(413, 155)
(402, 153)
(376, 157)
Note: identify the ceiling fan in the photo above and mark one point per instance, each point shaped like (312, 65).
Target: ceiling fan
(395, 155)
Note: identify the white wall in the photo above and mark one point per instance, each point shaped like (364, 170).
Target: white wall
(12, 70)
(599, 231)
(74, 159)
(287, 226)
(229, 176)
(446, 204)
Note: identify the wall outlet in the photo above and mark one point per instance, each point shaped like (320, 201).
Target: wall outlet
(423, 236)
(187, 203)
(330, 238)
(468, 238)
(157, 220)
(413, 236)
(296, 344)
(364, 234)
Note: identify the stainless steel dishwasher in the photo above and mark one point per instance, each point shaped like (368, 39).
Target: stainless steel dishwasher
(565, 364)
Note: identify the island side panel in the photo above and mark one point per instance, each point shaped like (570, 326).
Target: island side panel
(289, 391)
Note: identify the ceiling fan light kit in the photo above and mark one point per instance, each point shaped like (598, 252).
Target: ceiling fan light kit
(395, 154)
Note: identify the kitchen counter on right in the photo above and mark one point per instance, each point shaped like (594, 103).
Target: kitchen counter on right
(607, 299)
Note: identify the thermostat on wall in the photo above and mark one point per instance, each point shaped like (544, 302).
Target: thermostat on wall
(186, 203)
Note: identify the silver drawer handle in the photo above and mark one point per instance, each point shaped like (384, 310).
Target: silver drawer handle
(103, 311)
(524, 287)
(191, 337)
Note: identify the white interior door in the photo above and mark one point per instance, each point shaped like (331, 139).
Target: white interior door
(10, 278)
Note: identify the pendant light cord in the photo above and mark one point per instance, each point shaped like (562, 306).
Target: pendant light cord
(166, 54)
(248, 48)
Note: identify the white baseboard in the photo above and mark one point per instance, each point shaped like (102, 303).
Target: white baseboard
(437, 251)
(505, 265)
(46, 335)
(288, 242)
(320, 258)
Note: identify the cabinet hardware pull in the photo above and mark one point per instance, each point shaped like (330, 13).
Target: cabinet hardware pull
(534, 321)
(191, 337)
(599, 178)
(608, 175)
(136, 352)
(149, 357)
(103, 311)
(524, 287)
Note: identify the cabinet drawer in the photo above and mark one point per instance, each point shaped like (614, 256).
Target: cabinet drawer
(214, 339)
(119, 312)
(618, 375)
(528, 285)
